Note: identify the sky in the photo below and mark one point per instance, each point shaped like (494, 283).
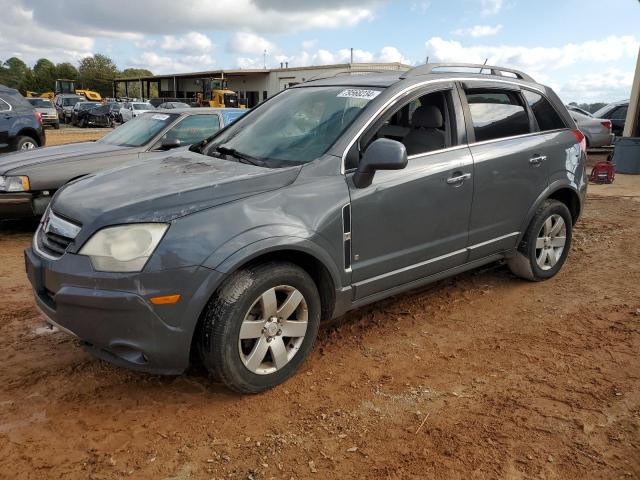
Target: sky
(585, 50)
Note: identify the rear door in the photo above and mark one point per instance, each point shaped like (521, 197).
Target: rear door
(6, 119)
(510, 172)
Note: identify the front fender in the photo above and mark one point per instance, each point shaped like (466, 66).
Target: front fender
(261, 241)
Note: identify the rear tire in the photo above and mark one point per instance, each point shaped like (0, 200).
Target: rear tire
(243, 339)
(25, 143)
(546, 243)
(56, 125)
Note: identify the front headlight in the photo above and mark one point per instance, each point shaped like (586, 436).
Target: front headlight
(125, 248)
(14, 184)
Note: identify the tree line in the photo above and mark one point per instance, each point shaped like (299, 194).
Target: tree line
(95, 72)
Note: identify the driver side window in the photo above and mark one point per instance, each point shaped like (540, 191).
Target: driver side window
(422, 123)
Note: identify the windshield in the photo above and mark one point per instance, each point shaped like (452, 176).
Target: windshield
(142, 106)
(297, 126)
(38, 102)
(88, 106)
(138, 131)
(70, 101)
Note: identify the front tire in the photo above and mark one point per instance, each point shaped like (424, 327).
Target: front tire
(546, 243)
(260, 326)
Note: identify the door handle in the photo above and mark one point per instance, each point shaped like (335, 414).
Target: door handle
(458, 179)
(537, 160)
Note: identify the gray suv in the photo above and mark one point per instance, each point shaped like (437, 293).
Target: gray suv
(331, 195)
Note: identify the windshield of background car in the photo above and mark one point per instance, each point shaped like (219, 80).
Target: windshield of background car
(70, 102)
(88, 106)
(297, 126)
(38, 102)
(230, 117)
(142, 106)
(139, 131)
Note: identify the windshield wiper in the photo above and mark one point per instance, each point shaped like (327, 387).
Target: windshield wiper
(242, 157)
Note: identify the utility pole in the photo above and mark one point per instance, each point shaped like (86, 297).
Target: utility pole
(264, 57)
(351, 54)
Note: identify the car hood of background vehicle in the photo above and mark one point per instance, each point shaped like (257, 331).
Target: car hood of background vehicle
(164, 188)
(11, 163)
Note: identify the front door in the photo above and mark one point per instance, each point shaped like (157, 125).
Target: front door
(412, 223)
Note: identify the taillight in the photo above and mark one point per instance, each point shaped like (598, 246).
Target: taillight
(38, 116)
(606, 124)
(581, 140)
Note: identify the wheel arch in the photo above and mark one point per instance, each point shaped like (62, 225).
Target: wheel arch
(563, 192)
(29, 132)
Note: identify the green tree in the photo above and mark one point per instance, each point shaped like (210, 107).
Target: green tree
(44, 76)
(134, 88)
(97, 73)
(14, 73)
(66, 71)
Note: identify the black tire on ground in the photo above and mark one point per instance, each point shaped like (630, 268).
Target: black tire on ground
(218, 338)
(82, 123)
(56, 125)
(25, 140)
(524, 263)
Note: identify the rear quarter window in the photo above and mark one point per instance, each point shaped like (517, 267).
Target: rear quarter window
(496, 114)
(543, 111)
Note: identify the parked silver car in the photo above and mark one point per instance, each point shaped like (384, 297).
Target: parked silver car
(46, 110)
(597, 131)
(29, 179)
(133, 109)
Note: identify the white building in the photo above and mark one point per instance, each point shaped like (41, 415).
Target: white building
(252, 85)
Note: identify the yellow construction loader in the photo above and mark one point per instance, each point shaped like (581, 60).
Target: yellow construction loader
(215, 93)
(67, 86)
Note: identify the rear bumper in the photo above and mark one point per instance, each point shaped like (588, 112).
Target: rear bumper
(16, 205)
(111, 313)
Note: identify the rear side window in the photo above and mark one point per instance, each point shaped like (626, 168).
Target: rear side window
(546, 115)
(619, 113)
(497, 114)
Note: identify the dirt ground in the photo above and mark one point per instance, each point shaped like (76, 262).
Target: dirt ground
(70, 134)
(478, 376)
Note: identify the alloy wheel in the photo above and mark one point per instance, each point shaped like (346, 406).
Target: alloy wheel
(273, 329)
(550, 242)
(27, 145)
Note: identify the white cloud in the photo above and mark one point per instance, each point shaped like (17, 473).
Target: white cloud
(491, 7)
(326, 57)
(20, 36)
(539, 59)
(478, 31)
(309, 44)
(163, 64)
(420, 7)
(169, 16)
(193, 42)
(392, 54)
(608, 86)
(250, 43)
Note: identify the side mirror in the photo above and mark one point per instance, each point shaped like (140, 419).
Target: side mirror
(170, 143)
(382, 154)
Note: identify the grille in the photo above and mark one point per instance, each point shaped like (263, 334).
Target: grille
(54, 236)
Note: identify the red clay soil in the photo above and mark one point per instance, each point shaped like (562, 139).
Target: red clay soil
(479, 376)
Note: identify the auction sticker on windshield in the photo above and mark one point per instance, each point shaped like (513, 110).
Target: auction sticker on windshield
(159, 116)
(359, 93)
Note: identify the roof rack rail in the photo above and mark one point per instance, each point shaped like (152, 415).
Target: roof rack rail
(322, 76)
(428, 68)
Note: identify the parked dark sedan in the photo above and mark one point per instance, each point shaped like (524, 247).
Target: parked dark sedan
(94, 114)
(32, 177)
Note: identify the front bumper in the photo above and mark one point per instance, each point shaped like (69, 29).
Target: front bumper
(111, 313)
(16, 205)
